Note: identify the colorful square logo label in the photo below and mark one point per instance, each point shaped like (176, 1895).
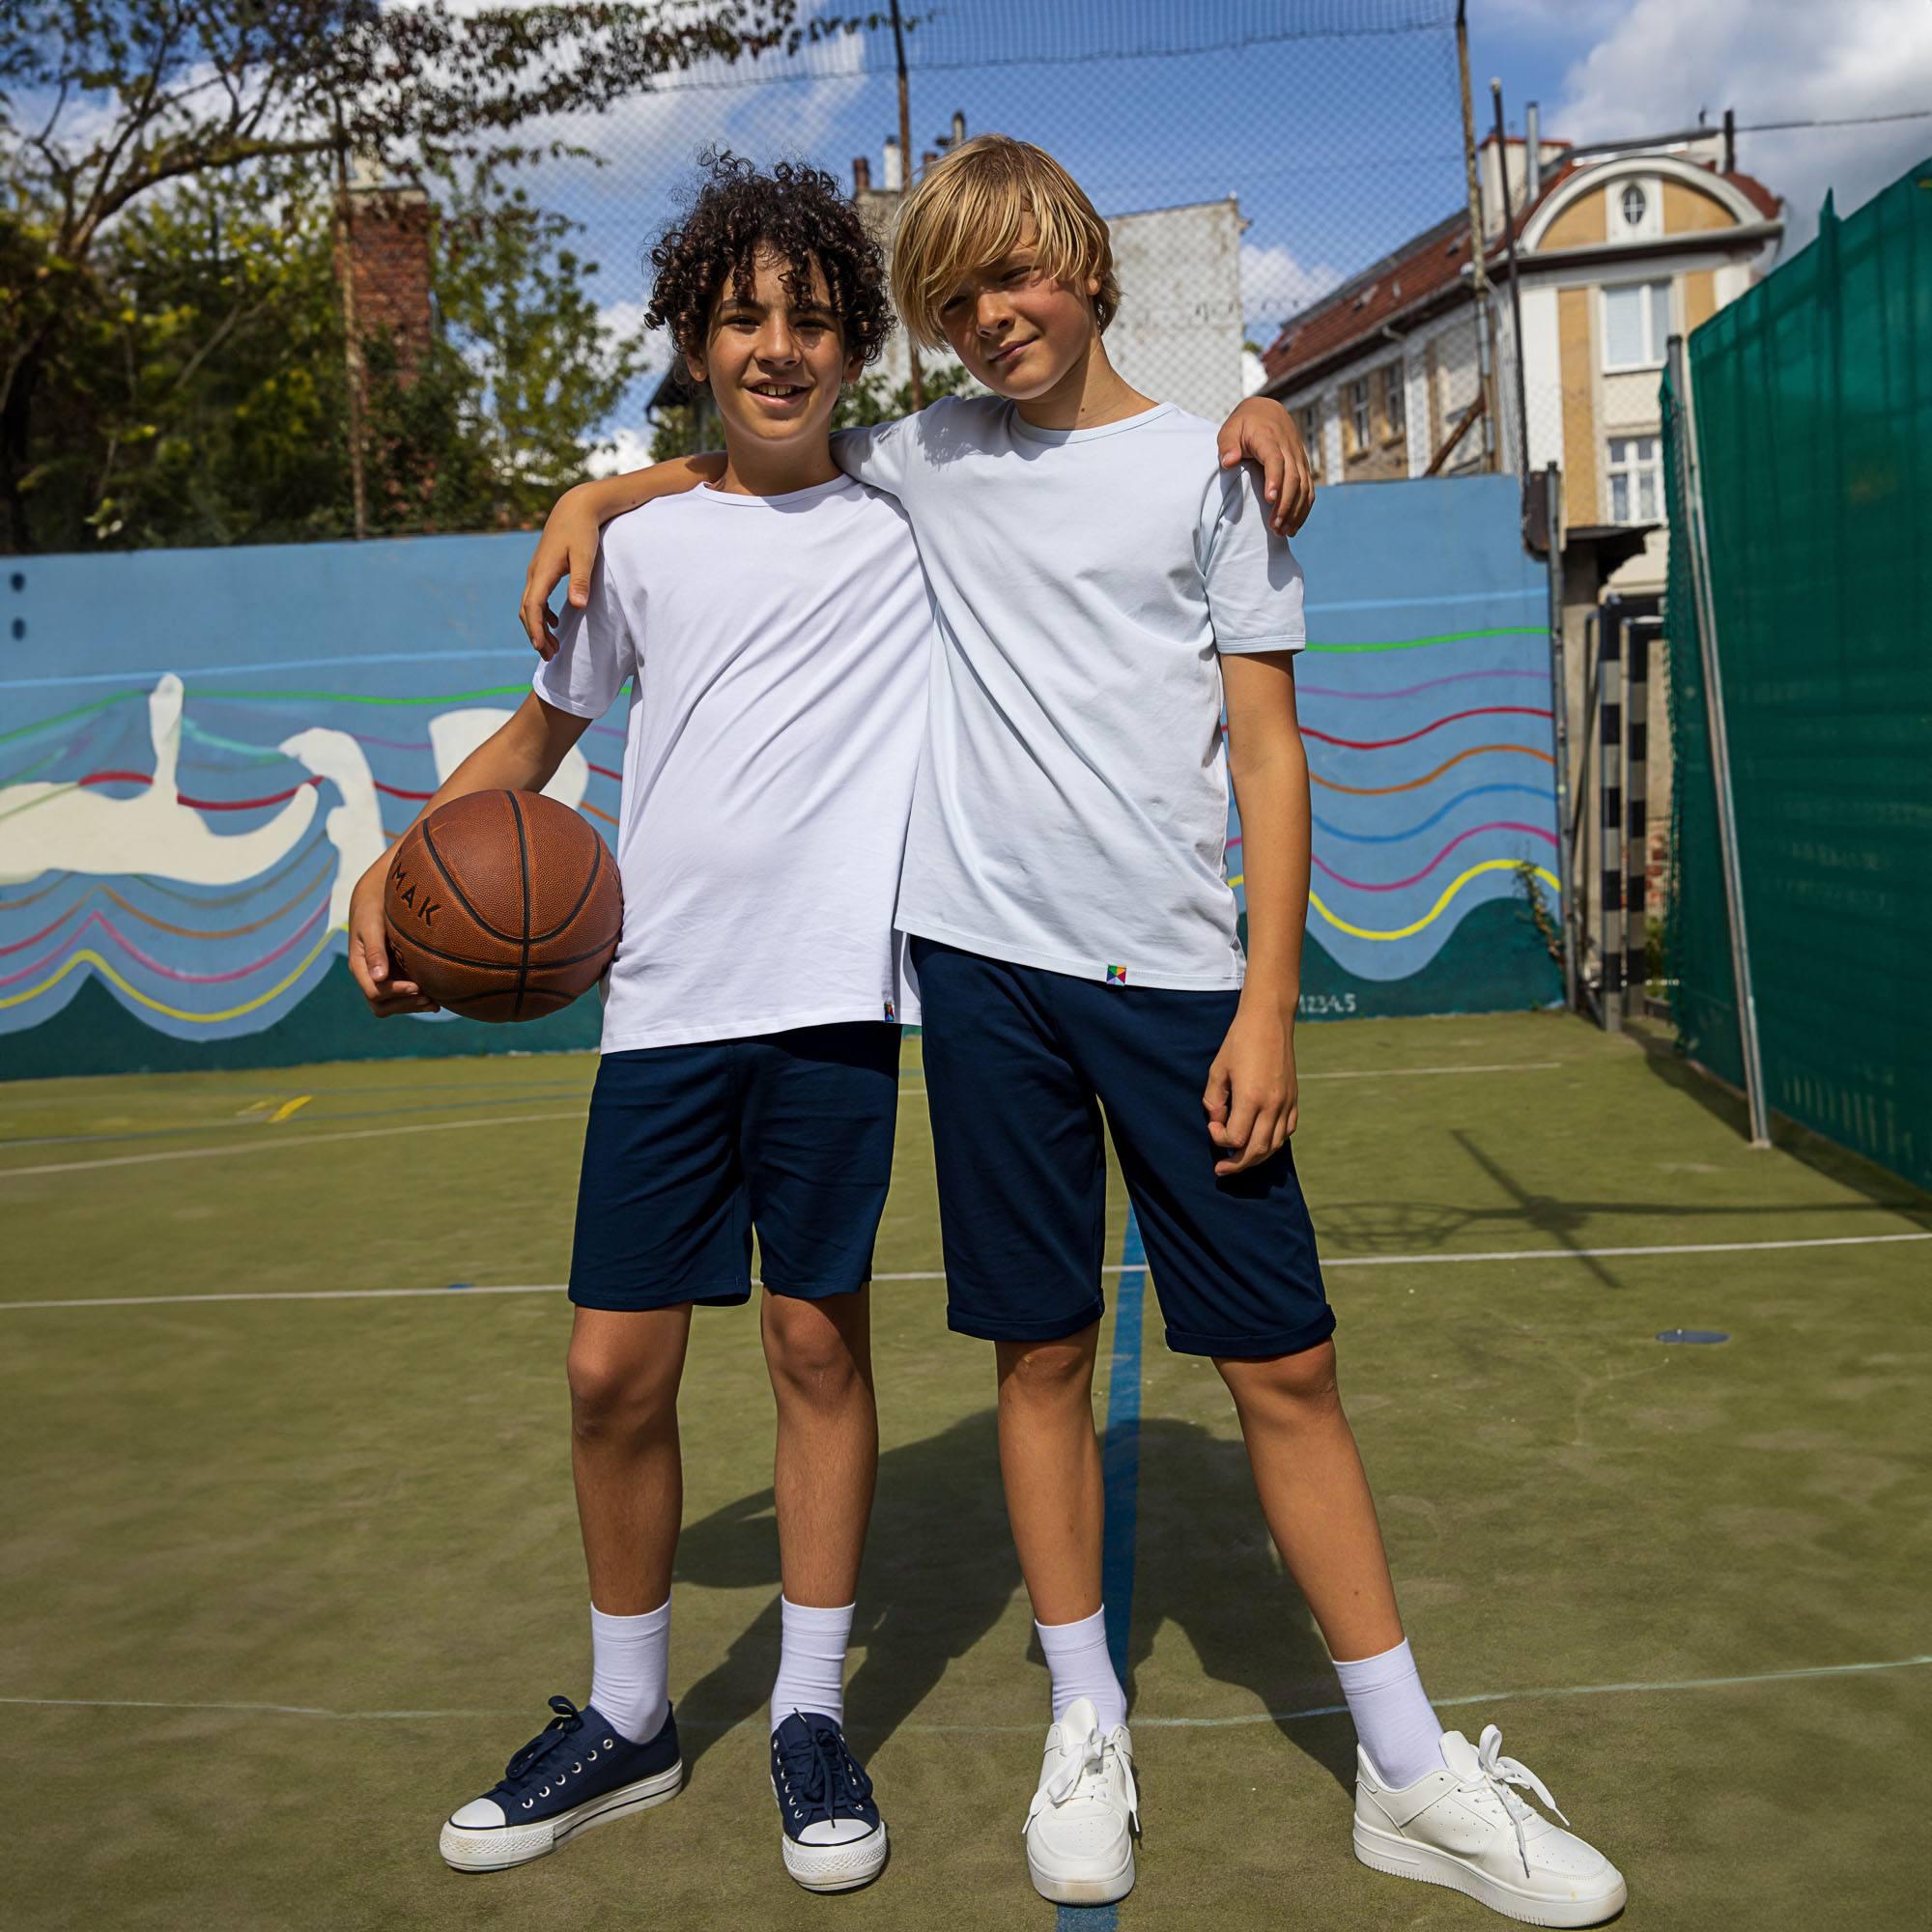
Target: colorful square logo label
(891, 1012)
(1116, 975)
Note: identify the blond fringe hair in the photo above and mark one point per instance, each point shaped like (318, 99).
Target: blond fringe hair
(967, 212)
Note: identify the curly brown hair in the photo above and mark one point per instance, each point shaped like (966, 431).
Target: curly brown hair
(798, 214)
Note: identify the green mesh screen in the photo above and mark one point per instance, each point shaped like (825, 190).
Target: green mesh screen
(1813, 396)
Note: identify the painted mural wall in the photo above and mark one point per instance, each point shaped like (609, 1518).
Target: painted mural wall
(201, 751)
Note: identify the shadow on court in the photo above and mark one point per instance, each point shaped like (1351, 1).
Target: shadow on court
(939, 1572)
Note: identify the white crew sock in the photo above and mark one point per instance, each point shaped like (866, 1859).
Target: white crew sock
(811, 1661)
(1076, 1657)
(1392, 1717)
(630, 1666)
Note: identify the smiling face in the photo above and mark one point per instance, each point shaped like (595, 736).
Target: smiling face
(774, 360)
(1018, 330)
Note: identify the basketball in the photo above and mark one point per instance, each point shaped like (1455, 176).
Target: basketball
(504, 905)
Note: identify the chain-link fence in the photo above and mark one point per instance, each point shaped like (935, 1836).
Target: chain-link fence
(394, 279)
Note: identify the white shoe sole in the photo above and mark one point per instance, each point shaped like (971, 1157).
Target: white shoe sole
(1399, 1857)
(836, 1867)
(498, 1850)
(1102, 1889)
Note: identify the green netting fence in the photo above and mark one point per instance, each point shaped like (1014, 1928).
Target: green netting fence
(1813, 399)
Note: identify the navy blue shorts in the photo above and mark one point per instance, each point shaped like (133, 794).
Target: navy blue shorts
(690, 1148)
(1020, 1065)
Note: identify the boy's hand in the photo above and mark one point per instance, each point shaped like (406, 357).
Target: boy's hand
(369, 950)
(1261, 431)
(1251, 1099)
(567, 547)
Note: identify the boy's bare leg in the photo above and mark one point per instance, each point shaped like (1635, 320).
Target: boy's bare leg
(624, 1370)
(820, 1355)
(1050, 1464)
(1314, 1494)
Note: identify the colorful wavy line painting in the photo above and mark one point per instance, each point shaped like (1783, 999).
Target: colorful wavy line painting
(188, 836)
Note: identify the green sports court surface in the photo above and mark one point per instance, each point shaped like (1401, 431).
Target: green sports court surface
(289, 1559)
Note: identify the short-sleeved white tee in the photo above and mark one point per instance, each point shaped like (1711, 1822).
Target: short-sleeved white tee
(778, 651)
(1072, 806)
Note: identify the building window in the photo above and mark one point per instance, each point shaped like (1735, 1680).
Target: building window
(1358, 414)
(1309, 421)
(1637, 321)
(1635, 206)
(1394, 419)
(1636, 480)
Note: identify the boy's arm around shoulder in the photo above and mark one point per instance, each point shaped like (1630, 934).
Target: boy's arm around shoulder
(1262, 432)
(571, 532)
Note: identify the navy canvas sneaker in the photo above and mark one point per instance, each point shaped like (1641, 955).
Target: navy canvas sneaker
(576, 1772)
(834, 1839)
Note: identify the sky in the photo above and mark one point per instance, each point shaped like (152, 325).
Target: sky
(1337, 148)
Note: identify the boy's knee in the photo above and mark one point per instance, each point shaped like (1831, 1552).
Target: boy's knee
(1301, 1385)
(1047, 1372)
(810, 1354)
(617, 1394)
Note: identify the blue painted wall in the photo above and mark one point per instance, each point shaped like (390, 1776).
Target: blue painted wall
(200, 749)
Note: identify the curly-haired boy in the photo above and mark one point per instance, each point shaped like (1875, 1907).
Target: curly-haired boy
(775, 635)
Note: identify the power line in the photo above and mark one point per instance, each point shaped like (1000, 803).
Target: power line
(1845, 121)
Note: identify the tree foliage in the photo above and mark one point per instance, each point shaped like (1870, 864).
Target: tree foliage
(165, 287)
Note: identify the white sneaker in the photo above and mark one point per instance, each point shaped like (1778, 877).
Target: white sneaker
(1081, 1823)
(1466, 1828)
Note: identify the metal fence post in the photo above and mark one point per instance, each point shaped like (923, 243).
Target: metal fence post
(1638, 635)
(1691, 495)
(1559, 680)
(1610, 818)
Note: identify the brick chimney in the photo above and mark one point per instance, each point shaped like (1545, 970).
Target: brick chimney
(382, 262)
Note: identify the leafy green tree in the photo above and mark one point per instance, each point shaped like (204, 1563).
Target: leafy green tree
(126, 124)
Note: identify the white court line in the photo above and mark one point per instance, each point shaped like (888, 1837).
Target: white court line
(939, 1274)
(1141, 1722)
(285, 1145)
(1415, 1073)
(516, 1119)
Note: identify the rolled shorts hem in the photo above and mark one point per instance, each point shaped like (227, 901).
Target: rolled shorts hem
(817, 1291)
(1255, 1347)
(988, 1329)
(667, 1295)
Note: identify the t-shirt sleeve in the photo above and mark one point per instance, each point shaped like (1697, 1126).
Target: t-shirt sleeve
(879, 456)
(595, 652)
(1254, 584)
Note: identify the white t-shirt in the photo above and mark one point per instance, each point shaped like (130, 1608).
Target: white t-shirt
(1072, 806)
(778, 649)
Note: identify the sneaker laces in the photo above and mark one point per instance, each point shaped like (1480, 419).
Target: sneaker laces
(1085, 1760)
(567, 1723)
(822, 1774)
(1497, 1774)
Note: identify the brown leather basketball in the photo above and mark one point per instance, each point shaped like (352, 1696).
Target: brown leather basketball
(504, 905)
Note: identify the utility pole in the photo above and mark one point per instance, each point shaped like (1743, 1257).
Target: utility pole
(1516, 284)
(905, 165)
(1479, 274)
(345, 261)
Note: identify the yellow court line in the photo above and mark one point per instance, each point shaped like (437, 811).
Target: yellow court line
(87, 957)
(289, 1107)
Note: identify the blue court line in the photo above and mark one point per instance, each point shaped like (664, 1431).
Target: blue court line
(266, 664)
(1119, 1475)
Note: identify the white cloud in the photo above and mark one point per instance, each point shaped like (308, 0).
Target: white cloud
(1662, 62)
(1274, 284)
(627, 449)
(1254, 376)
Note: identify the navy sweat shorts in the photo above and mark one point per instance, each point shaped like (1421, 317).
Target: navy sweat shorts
(690, 1148)
(1020, 1067)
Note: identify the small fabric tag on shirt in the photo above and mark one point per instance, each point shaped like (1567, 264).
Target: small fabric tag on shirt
(892, 1012)
(1116, 975)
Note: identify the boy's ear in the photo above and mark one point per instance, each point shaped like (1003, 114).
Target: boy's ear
(855, 367)
(695, 367)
